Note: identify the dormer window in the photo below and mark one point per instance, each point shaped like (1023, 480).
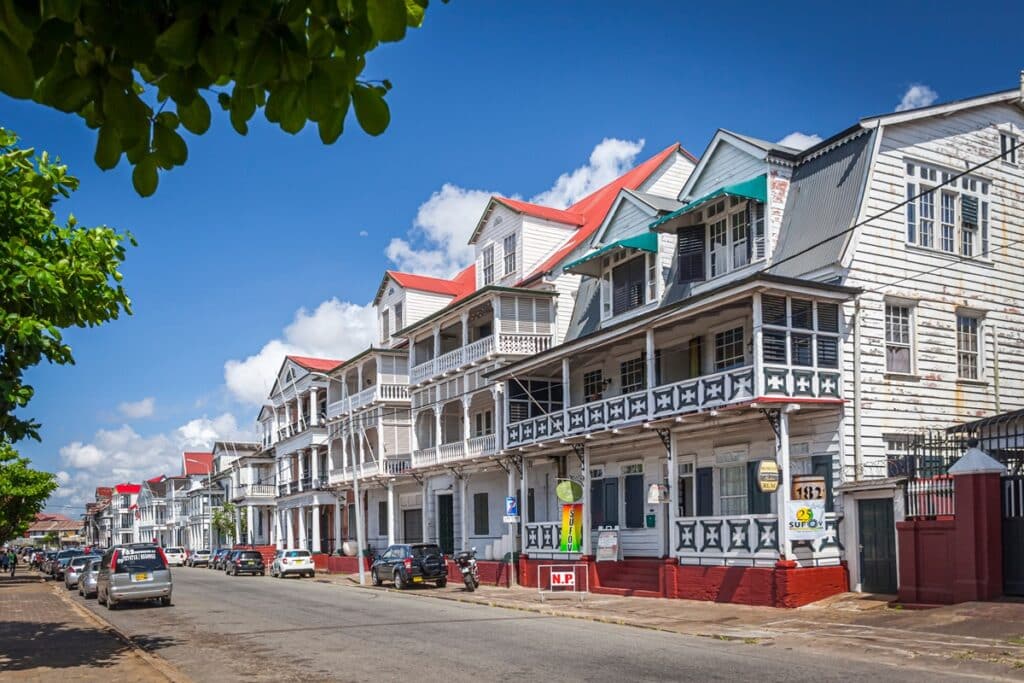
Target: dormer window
(733, 232)
(488, 264)
(627, 283)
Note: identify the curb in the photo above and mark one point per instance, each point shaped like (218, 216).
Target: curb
(157, 663)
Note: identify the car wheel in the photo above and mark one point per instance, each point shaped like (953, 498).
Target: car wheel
(165, 601)
(399, 580)
(376, 577)
(441, 583)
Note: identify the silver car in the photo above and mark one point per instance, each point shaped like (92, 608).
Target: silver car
(87, 579)
(73, 572)
(133, 572)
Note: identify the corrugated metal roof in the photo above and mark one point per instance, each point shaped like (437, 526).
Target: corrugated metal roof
(823, 201)
(655, 201)
(764, 144)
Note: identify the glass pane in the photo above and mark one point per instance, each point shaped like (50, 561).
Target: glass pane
(801, 349)
(897, 359)
(774, 347)
(802, 316)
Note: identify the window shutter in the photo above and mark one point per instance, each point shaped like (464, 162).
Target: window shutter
(597, 504)
(635, 501)
(969, 209)
(508, 314)
(758, 502)
(637, 278)
(705, 492)
(525, 315)
(690, 247)
(543, 312)
(620, 289)
(481, 521)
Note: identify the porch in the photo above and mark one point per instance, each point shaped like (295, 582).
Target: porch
(456, 431)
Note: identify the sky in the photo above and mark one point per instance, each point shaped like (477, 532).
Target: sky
(272, 243)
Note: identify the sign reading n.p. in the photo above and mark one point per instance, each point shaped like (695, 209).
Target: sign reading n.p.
(563, 579)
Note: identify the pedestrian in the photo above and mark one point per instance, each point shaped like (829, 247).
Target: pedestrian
(3, 560)
(13, 559)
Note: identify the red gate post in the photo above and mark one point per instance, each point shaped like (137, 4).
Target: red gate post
(978, 536)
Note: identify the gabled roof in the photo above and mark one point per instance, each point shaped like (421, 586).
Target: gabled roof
(196, 463)
(128, 488)
(654, 201)
(943, 108)
(453, 287)
(156, 479)
(568, 217)
(596, 205)
(318, 364)
(763, 144)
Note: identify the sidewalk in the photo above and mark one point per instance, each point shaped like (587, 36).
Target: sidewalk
(44, 638)
(978, 639)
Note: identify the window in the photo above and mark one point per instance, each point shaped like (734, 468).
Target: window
(1008, 148)
(483, 424)
(968, 359)
(533, 398)
(898, 343)
(686, 489)
(690, 253)
(730, 243)
(398, 317)
(593, 385)
(628, 285)
(385, 328)
(784, 339)
(604, 502)
(633, 375)
(729, 349)
(719, 239)
(953, 218)
(488, 264)
(481, 519)
(740, 237)
(510, 254)
(382, 518)
(733, 490)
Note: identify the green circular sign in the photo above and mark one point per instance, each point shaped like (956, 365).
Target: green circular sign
(569, 491)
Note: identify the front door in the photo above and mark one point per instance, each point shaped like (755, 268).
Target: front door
(412, 525)
(445, 524)
(1013, 535)
(877, 545)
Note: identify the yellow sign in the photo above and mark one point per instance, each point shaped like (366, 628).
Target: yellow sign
(768, 476)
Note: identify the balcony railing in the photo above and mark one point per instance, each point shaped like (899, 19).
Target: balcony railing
(749, 540)
(287, 488)
(451, 452)
(507, 344)
(391, 466)
(368, 396)
(256, 490)
(737, 385)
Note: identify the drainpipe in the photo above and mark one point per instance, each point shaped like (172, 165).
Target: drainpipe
(857, 446)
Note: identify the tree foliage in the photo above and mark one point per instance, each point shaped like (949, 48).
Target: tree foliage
(52, 276)
(298, 60)
(223, 520)
(23, 492)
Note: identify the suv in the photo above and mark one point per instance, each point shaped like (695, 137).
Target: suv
(406, 564)
(175, 556)
(60, 561)
(137, 571)
(245, 562)
(292, 562)
(199, 558)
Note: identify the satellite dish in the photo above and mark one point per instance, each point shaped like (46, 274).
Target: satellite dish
(569, 491)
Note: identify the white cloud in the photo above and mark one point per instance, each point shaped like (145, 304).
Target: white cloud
(798, 140)
(437, 244)
(364, 233)
(137, 409)
(336, 329)
(917, 95)
(119, 455)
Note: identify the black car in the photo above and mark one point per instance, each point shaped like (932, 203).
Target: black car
(408, 564)
(217, 558)
(244, 562)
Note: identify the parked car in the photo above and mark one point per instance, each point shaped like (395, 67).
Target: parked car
(87, 580)
(245, 562)
(406, 564)
(60, 562)
(198, 558)
(175, 556)
(73, 572)
(292, 562)
(217, 559)
(137, 571)
(44, 562)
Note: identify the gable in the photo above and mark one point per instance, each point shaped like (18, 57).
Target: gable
(670, 177)
(629, 216)
(727, 164)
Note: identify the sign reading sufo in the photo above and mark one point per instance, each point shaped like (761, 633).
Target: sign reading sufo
(805, 519)
(768, 476)
(808, 487)
(563, 579)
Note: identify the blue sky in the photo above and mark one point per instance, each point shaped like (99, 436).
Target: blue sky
(272, 242)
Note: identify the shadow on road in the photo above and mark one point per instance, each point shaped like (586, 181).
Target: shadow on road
(17, 580)
(58, 645)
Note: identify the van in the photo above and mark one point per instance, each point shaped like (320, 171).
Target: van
(137, 571)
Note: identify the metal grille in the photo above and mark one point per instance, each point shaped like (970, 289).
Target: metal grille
(931, 453)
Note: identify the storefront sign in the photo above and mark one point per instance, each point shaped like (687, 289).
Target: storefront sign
(805, 519)
(768, 476)
(607, 545)
(657, 494)
(511, 506)
(569, 491)
(572, 528)
(563, 579)
(808, 487)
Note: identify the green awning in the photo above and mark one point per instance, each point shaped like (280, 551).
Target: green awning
(755, 188)
(591, 263)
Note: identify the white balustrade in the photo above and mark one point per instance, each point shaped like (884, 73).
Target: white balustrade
(447, 452)
(524, 344)
(424, 457)
(482, 445)
(422, 372)
(453, 360)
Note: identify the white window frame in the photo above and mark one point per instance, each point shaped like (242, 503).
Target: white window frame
(385, 325)
(652, 284)
(930, 223)
(911, 342)
(397, 314)
(487, 265)
(741, 496)
(978, 350)
(510, 245)
(1008, 147)
(714, 345)
(728, 214)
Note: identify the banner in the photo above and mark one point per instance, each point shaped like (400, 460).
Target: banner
(805, 519)
(572, 528)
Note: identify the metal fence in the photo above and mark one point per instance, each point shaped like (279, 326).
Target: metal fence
(930, 497)
(930, 453)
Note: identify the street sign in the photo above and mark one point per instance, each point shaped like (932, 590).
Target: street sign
(511, 519)
(563, 579)
(511, 506)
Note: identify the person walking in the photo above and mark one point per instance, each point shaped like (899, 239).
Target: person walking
(12, 559)
(4, 562)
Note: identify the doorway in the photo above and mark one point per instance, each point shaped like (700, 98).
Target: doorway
(877, 545)
(412, 525)
(446, 523)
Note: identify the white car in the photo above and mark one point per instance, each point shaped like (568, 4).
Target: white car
(292, 562)
(175, 556)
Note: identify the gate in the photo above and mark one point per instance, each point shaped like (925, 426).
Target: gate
(1013, 534)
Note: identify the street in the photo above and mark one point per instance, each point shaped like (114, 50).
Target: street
(223, 628)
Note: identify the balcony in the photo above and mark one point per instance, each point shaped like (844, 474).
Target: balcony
(476, 447)
(375, 394)
(255, 491)
(471, 354)
(729, 387)
(749, 540)
(391, 466)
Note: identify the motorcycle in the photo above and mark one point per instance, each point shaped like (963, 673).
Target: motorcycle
(467, 565)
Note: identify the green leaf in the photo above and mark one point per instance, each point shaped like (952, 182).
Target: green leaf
(371, 110)
(108, 148)
(331, 124)
(16, 73)
(217, 55)
(144, 177)
(387, 19)
(414, 12)
(65, 10)
(195, 116)
(170, 149)
(179, 42)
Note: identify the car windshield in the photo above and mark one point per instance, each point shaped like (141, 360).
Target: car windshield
(139, 560)
(177, 551)
(80, 561)
(425, 550)
(251, 555)
(201, 552)
(297, 553)
(94, 565)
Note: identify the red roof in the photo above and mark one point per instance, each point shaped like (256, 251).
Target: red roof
(318, 364)
(595, 206)
(128, 488)
(197, 463)
(156, 480)
(104, 492)
(424, 283)
(546, 212)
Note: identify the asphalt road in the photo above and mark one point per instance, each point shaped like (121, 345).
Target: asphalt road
(223, 628)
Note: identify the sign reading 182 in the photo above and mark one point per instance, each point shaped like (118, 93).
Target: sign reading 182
(808, 487)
